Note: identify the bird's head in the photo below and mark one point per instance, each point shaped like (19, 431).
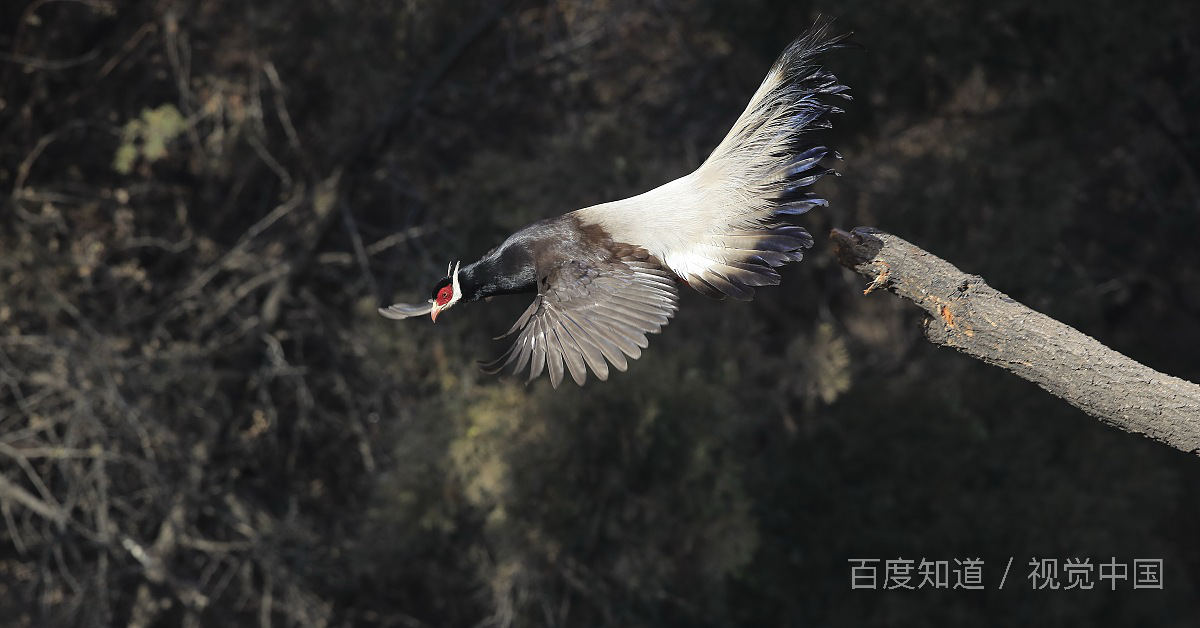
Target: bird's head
(446, 293)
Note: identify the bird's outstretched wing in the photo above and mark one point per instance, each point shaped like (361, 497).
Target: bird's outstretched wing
(588, 314)
(406, 310)
(721, 229)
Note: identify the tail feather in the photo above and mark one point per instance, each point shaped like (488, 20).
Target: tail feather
(761, 170)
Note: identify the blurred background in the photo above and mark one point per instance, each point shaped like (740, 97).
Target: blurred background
(204, 422)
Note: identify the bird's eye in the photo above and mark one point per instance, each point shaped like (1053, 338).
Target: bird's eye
(444, 295)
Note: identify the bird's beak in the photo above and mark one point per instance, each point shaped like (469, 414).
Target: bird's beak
(434, 312)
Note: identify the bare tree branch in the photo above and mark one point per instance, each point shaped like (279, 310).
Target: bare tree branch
(978, 320)
(11, 492)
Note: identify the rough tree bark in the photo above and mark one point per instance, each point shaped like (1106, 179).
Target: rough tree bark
(982, 322)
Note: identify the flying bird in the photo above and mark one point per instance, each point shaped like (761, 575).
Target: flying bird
(604, 276)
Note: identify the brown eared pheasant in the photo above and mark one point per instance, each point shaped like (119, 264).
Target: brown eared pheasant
(604, 276)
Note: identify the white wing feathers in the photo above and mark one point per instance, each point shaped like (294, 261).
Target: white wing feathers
(719, 227)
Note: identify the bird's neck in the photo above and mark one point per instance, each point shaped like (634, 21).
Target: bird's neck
(496, 275)
(512, 267)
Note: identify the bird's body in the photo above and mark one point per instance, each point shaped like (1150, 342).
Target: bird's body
(604, 275)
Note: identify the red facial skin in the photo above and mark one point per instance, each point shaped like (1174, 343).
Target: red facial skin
(443, 297)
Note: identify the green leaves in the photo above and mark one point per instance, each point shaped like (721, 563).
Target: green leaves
(147, 137)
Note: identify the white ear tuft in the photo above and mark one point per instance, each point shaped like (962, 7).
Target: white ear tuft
(454, 282)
